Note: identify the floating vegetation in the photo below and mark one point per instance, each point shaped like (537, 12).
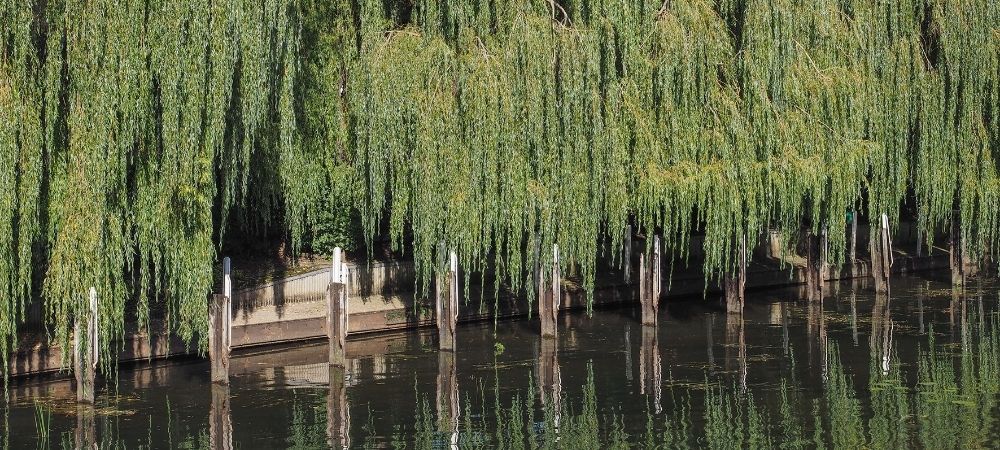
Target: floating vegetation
(135, 134)
(43, 421)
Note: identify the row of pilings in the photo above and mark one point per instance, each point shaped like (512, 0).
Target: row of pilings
(815, 274)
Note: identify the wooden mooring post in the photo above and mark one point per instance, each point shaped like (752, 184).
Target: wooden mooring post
(227, 290)
(446, 304)
(220, 326)
(549, 295)
(961, 265)
(650, 282)
(852, 244)
(627, 254)
(881, 252)
(734, 284)
(336, 312)
(219, 323)
(85, 349)
(816, 265)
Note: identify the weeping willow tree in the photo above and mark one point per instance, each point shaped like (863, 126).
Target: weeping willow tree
(503, 127)
(129, 132)
(133, 132)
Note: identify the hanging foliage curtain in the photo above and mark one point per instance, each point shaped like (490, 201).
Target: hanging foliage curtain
(128, 130)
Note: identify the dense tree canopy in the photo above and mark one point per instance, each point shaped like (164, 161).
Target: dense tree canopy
(134, 134)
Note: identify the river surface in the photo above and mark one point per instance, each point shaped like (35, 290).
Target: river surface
(919, 368)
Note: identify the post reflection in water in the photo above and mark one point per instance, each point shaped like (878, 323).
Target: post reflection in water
(881, 338)
(736, 342)
(954, 306)
(447, 396)
(906, 389)
(85, 433)
(549, 378)
(709, 325)
(628, 353)
(786, 343)
(220, 423)
(920, 312)
(816, 330)
(338, 413)
(854, 315)
(649, 366)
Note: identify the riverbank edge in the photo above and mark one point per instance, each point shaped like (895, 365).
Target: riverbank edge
(404, 311)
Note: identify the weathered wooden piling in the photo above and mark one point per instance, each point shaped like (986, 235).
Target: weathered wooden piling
(446, 304)
(627, 254)
(816, 266)
(734, 284)
(220, 423)
(962, 266)
(338, 415)
(650, 369)
(881, 253)
(447, 396)
(219, 323)
(336, 314)
(775, 244)
(650, 282)
(227, 290)
(852, 244)
(549, 296)
(85, 350)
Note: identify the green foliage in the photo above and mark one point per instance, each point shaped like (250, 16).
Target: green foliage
(503, 130)
(133, 132)
(129, 130)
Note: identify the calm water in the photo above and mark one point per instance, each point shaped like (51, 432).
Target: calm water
(921, 368)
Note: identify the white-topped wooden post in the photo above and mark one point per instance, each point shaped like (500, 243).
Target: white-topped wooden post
(85, 350)
(446, 304)
(816, 265)
(220, 326)
(219, 322)
(549, 295)
(734, 284)
(650, 283)
(227, 290)
(336, 315)
(852, 245)
(881, 252)
(627, 254)
(956, 251)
